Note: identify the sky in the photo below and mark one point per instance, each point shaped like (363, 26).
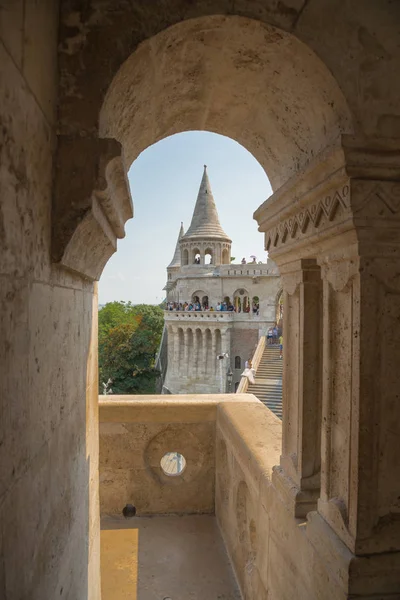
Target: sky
(164, 182)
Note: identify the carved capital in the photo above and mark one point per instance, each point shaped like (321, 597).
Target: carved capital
(91, 203)
(349, 194)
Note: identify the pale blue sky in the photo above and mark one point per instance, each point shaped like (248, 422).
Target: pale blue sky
(164, 183)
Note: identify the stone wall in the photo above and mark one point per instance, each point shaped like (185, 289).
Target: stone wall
(48, 425)
(232, 444)
(135, 433)
(243, 344)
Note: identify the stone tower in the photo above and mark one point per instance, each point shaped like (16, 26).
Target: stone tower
(201, 271)
(205, 237)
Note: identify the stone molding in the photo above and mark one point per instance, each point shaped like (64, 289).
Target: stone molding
(92, 202)
(352, 186)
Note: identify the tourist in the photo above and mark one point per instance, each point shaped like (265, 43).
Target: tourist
(270, 335)
(244, 261)
(211, 309)
(219, 306)
(275, 334)
(280, 346)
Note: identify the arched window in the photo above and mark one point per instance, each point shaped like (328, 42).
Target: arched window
(196, 256)
(238, 362)
(208, 257)
(185, 257)
(225, 256)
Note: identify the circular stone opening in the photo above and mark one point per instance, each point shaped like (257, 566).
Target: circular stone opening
(173, 464)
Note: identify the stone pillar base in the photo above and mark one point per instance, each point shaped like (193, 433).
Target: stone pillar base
(362, 577)
(298, 502)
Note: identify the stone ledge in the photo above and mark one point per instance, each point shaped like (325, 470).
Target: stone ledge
(166, 408)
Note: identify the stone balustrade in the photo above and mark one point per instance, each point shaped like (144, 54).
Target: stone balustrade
(210, 316)
(231, 444)
(233, 270)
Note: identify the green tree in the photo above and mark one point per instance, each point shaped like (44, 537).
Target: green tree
(129, 337)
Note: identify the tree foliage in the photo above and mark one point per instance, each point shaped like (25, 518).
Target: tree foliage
(129, 337)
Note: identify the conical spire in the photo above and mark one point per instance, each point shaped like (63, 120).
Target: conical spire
(205, 222)
(176, 261)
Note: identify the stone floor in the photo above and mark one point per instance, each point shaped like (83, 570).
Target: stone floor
(165, 558)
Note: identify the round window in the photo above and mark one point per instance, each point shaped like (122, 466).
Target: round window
(173, 464)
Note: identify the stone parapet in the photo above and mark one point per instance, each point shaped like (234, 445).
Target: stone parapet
(210, 316)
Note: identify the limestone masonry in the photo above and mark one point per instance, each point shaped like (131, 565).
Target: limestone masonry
(201, 273)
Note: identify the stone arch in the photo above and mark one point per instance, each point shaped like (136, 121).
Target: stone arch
(200, 294)
(283, 125)
(209, 256)
(181, 347)
(218, 341)
(241, 299)
(198, 357)
(196, 255)
(304, 82)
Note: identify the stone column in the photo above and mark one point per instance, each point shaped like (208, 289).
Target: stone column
(213, 351)
(206, 351)
(301, 436)
(185, 362)
(360, 482)
(347, 218)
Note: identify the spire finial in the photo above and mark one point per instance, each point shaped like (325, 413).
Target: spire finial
(205, 167)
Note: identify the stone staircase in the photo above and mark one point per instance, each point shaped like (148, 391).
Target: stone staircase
(268, 380)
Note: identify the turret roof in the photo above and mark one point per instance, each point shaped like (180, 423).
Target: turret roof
(176, 260)
(205, 222)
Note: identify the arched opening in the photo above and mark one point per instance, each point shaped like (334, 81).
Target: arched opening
(255, 305)
(280, 124)
(238, 362)
(198, 358)
(208, 256)
(196, 256)
(200, 298)
(241, 300)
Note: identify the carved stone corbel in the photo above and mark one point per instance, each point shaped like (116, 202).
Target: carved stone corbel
(91, 203)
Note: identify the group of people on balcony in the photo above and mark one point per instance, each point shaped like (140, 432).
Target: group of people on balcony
(223, 306)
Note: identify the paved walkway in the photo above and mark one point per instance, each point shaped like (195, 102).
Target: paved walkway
(165, 558)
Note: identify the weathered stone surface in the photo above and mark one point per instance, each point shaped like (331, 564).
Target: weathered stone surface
(284, 79)
(136, 432)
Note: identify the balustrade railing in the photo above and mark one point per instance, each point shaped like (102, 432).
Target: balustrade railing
(211, 315)
(244, 382)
